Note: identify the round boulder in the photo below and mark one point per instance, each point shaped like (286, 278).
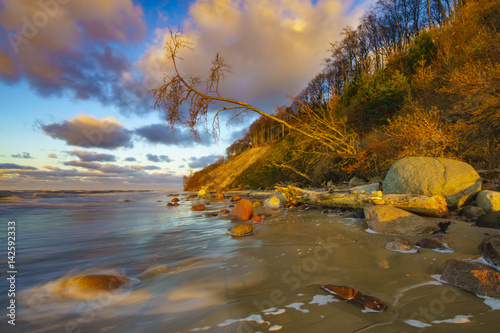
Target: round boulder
(392, 220)
(455, 180)
(489, 201)
(91, 286)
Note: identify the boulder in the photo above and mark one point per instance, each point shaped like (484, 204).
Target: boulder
(274, 201)
(392, 220)
(491, 220)
(473, 277)
(241, 229)
(489, 201)
(355, 181)
(490, 250)
(91, 286)
(456, 181)
(198, 207)
(472, 212)
(243, 209)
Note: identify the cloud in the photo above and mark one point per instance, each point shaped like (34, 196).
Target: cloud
(88, 131)
(130, 159)
(158, 158)
(16, 166)
(110, 168)
(52, 155)
(200, 162)
(274, 46)
(64, 48)
(23, 155)
(160, 134)
(88, 156)
(151, 167)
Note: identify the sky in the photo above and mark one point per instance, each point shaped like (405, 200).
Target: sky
(75, 76)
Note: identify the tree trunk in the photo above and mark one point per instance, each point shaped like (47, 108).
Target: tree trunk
(420, 204)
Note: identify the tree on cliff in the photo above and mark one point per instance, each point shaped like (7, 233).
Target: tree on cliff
(187, 100)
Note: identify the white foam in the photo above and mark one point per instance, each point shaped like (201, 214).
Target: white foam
(417, 323)
(438, 278)
(458, 319)
(273, 311)
(199, 329)
(275, 328)
(370, 231)
(256, 318)
(483, 261)
(493, 303)
(409, 251)
(297, 306)
(323, 299)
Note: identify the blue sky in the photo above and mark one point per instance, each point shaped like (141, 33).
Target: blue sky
(74, 76)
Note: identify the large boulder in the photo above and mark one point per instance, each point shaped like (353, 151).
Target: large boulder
(490, 249)
(392, 220)
(473, 277)
(91, 286)
(489, 201)
(454, 180)
(243, 209)
(491, 220)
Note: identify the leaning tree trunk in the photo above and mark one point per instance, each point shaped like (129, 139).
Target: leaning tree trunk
(420, 204)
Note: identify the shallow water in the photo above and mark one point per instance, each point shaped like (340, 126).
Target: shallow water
(200, 279)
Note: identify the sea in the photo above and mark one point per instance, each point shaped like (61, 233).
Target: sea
(190, 275)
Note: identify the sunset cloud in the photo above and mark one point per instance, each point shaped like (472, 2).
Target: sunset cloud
(88, 131)
(16, 166)
(200, 162)
(53, 155)
(23, 155)
(158, 158)
(89, 156)
(160, 134)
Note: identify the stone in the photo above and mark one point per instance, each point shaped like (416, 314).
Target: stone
(433, 244)
(257, 203)
(489, 201)
(241, 229)
(473, 277)
(392, 220)
(456, 181)
(376, 180)
(491, 220)
(472, 212)
(490, 186)
(211, 214)
(172, 204)
(490, 250)
(354, 296)
(355, 181)
(243, 209)
(255, 219)
(198, 207)
(175, 200)
(91, 286)
(274, 202)
(302, 207)
(399, 247)
(235, 198)
(367, 188)
(224, 211)
(219, 196)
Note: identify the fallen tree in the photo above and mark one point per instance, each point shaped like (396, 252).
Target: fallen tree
(420, 204)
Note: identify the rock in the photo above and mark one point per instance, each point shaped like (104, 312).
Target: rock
(219, 196)
(392, 220)
(490, 186)
(198, 207)
(489, 201)
(172, 204)
(202, 192)
(399, 247)
(274, 202)
(224, 211)
(243, 209)
(433, 244)
(91, 286)
(262, 216)
(376, 180)
(255, 219)
(355, 181)
(257, 203)
(235, 198)
(175, 200)
(356, 297)
(472, 212)
(302, 207)
(192, 196)
(473, 277)
(241, 229)
(211, 214)
(490, 250)
(454, 180)
(367, 188)
(491, 220)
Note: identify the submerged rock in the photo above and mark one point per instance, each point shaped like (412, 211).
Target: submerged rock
(473, 277)
(241, 229)
(243, 209)
(455, 180)
(356, 297)
(489, 201)
(91, 286)
(490, 249)
(401, 244)
(491, 220)
(392, 220)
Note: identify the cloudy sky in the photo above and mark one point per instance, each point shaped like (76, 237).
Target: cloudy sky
(75, 76)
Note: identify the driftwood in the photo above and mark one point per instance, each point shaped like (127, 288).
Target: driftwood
(419, 204)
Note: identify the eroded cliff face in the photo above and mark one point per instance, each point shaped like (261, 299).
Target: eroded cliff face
(225, 174)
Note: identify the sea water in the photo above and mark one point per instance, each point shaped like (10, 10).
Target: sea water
(189, 275)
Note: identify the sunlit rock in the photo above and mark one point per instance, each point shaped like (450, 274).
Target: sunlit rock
(274, 202)
(356, 297)
(255, 219)
(257, 203)
(455, 180)
(473, 277)
(91, 286)
(219, 196)
(392, 220)
(198, 207)
(489, 201)
(243, 209)
(241, 229)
